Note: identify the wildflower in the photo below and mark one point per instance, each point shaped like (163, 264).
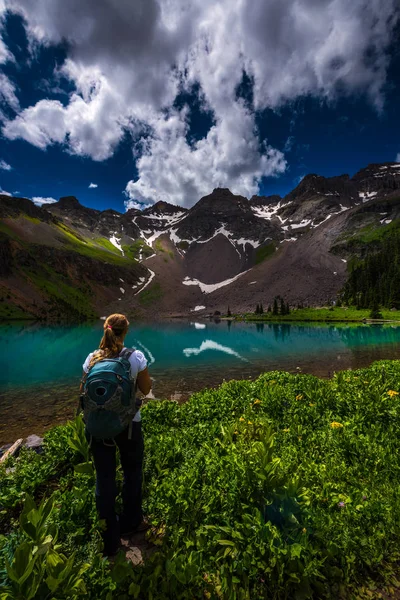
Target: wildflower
(299, 397)
(273, 381)
(241, 419)
(341, 504)
(235, 432)
(249, 423)
(257, 401)
(336, 425)
(366, 382)
(392, 393)
(364, 498)
(304, 530)
(312, 403)
(286, 430)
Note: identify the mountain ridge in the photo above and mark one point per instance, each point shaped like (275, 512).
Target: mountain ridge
(226, 249)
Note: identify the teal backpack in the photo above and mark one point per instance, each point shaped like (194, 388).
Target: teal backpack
(109, 397)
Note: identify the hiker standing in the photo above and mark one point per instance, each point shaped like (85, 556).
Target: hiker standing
(112, 417)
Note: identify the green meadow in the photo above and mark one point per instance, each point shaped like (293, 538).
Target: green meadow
(283, 487)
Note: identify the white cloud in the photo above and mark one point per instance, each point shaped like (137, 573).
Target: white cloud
(298, 179)
(129, 60)
(39, 201)
(93, 185)
(172, 170)
(5, 166)
(133, 204)
(4, 192)
(398, 157)
(8, 93)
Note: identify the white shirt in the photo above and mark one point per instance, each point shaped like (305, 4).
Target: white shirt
(138, 363)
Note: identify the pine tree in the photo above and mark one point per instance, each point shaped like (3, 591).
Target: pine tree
(269, 308)
(283, 311)
(261, 309)
(229, 314)
(257, 311)
(275, 309)
(287, 309)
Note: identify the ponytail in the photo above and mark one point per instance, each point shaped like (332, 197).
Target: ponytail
(111, 344)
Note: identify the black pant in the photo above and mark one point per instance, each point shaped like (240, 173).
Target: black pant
(104, 456)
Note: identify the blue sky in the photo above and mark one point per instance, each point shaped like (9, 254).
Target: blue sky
(174, 119)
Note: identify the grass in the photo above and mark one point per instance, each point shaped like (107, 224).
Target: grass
(60, 293)
(158, 246)
(151, 294)
(264, 252)
(137, 248)
(105, 252)
(285, 487)
(11, 311)
(322, 314)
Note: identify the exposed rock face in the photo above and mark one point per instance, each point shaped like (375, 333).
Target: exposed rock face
(380, 178)
(12, 207)
(225, 212)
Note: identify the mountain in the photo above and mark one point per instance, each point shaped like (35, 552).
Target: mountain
(67, 261)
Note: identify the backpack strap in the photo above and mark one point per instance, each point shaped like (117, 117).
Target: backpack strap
(126, 353)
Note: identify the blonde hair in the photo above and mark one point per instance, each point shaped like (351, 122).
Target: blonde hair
(111, 344)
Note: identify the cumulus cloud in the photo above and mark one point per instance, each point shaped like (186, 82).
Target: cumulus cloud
(39, 201)
(4, 193)
(133, 204)
(93, 185)
(5, 166)
(129, 60)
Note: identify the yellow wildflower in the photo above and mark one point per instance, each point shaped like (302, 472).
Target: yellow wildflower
(392, 393)
(366, 382)
(286, 430)
(312, 403)
(299, 397)
(257, 401)
(235, 432)
(249, 423)
(304, 530)
(241, 419)
(336, 425)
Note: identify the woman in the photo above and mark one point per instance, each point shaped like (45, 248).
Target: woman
(129, 442)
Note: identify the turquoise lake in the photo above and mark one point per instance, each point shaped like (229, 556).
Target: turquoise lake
(41, 365)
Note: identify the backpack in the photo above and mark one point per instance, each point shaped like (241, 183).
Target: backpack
(108, 400)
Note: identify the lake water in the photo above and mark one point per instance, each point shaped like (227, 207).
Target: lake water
(41, 365)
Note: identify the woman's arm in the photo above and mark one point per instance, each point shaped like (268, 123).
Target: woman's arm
(144, 381)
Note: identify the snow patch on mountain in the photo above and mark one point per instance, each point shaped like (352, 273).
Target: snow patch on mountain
(152, 275)
(270, 210)
(207, 288)
(117, 243)
(365, 196)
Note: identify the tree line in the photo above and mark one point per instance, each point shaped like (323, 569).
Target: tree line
(375, 281)
(279, 307)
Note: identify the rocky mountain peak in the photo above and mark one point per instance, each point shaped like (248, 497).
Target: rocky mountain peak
(382, 179)
(13, 207)
(221, 201)
(162, 208)
(68, 203)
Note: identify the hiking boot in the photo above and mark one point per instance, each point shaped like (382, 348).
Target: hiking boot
(128, 529)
